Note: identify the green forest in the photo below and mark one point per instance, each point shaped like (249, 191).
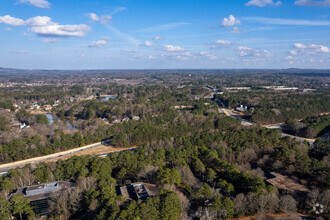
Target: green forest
(204, 165)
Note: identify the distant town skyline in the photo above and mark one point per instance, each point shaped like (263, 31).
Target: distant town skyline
(147, 34)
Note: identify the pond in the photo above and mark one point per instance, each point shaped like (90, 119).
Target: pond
(69, 125)
(105, 98)
(51, 118)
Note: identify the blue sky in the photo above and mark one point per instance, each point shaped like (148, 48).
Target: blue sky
(147, 34)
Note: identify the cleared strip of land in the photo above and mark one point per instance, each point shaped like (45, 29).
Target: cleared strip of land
(225, 111)
(62, 155)
(100, 150)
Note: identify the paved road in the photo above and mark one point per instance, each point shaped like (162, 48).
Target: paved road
(248, 123)
(310, 141)
(5, 167)
(274, 126)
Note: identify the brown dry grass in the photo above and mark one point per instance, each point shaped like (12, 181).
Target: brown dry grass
(39, 112)
(297, 215)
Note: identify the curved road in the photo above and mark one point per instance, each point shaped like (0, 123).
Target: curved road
(5, 167)
(275, 126)
(227, 112)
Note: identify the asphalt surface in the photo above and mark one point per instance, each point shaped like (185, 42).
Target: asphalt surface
(275, 126)
(5, 167)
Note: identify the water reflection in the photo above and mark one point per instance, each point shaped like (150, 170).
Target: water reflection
(106, 98)
(51, 118)
(69, 125)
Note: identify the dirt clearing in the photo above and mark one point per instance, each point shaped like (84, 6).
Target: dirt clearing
(103, 149)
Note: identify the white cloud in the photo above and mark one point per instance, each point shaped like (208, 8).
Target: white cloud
(244, 51)
(148, 43)
(93, 17)
(289, 58)
(187, 55)
(128, 51)
(7, 19)
(20, 51)
(309, 49)
(45, 27)
(104, 19)
(208, 55)
(283, 21)
(220, 44)
(34, 21)
(230, 21)
(262, 53)
(157, 38)
(56, 30)
(300, 46)
(235, 30)
(324, 3)
(243, 48)
(173, 48)
(37, 3)
(98, 43)
(293, 52)
(182, 56)
(39, 21)
(263, 3)
(49, 40)
(319, 48)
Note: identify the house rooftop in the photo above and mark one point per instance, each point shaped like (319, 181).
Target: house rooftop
(286, 183)
(139, 191)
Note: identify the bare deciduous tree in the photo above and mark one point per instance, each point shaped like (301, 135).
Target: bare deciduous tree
(28, 177)
(187, 176)
(86, 184)
(240, 204)
(204, 213)
(288, 204)
(312, 199)
(65, 203)
(148, 172)
(252, 202)
(58, 204)
(271, 204)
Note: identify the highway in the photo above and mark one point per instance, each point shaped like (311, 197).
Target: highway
(227, 112)
(274, 126)
(5, 167)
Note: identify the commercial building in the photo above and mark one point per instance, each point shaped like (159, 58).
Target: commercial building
(39, 194)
